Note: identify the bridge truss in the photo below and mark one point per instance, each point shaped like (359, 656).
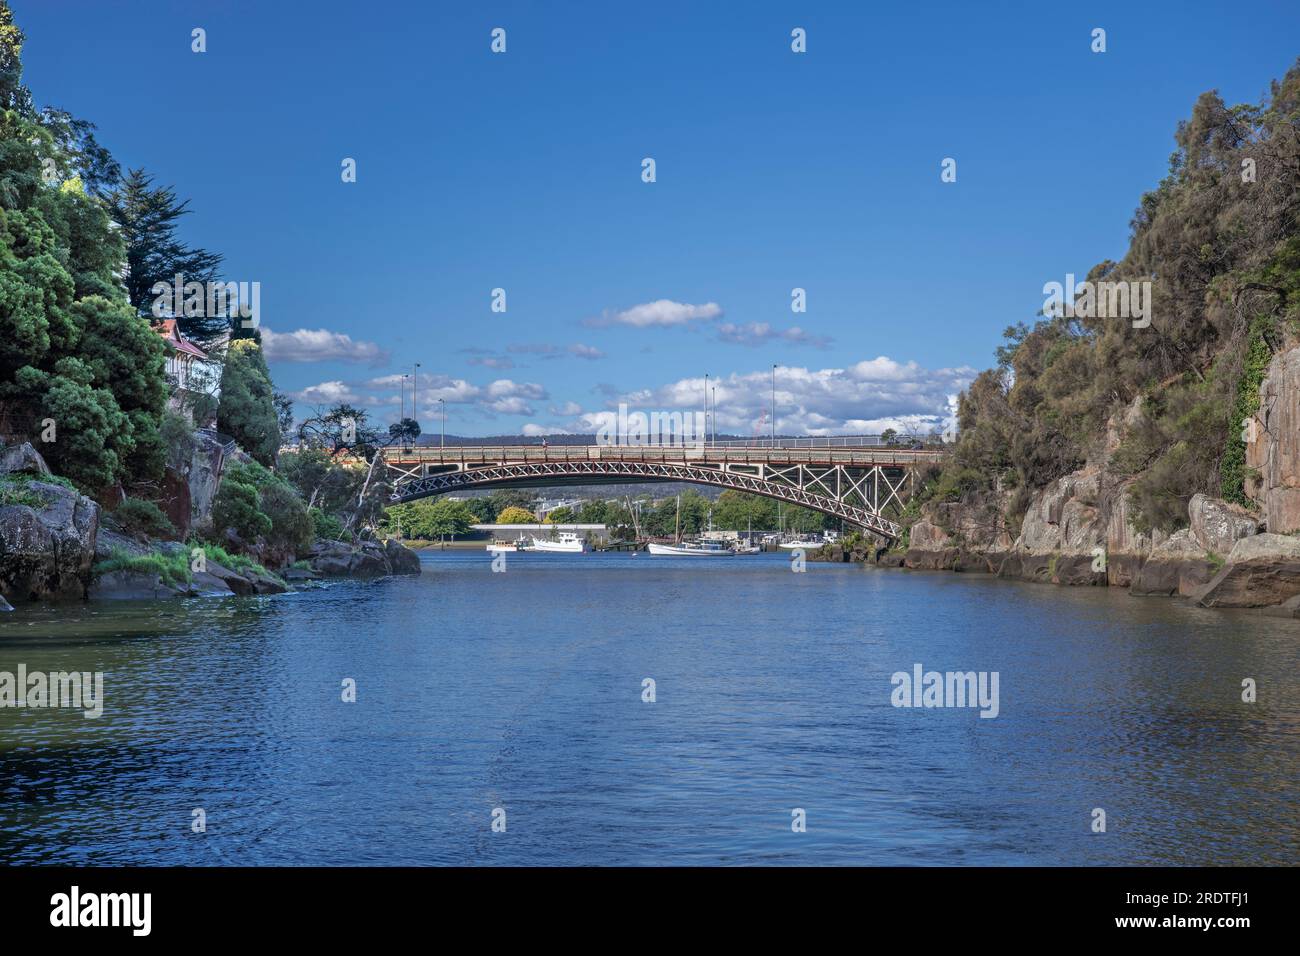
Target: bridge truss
(861, 491)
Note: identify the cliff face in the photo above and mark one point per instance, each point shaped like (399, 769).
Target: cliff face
(1079, 529)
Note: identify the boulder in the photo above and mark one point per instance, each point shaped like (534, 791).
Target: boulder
(1177, 566)
(46, 552)
(401, 559)
(1217, 525)
(1262, 571)
(369, 559)
(22, 459)
(131, 586)
(925, 535)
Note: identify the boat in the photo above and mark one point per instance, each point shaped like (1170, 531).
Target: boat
(801, 545)
(497, 546)
(698, 549)
(568, 542)
(741, 548)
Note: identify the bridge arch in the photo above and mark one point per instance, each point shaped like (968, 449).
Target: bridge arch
(759, 481)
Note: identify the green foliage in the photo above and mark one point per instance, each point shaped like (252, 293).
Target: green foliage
(325, 525)
(561, 515)
(149, 216)
(1232, 469)
(516, 515)
(1221, 255)
(170, 568)
(247, 411)
(17, 490)
(137, 516)
(236, 506)
(291, 527)
(426, 519)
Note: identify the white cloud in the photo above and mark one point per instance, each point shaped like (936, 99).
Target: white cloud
(585, 351)
(865, 398)
(326, 393)
(319, 345)
(661, 312)
(756, 333)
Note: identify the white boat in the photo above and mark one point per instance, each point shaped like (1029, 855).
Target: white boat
(804, 545)
(741, 548)
(567, 543)
(700, 549)
(502, 546)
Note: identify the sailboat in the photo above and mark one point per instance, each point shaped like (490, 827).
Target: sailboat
(696, 549)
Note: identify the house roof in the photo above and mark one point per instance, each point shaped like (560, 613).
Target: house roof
(171, 335)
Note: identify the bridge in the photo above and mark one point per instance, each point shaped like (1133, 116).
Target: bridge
(854, 478)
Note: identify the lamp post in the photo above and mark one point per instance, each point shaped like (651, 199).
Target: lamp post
(706, 408)
(442, 436)
(774, 405)
(403, 412)
(715, 415)
(415, 384)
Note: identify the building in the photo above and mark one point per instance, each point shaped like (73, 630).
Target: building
(189, 369)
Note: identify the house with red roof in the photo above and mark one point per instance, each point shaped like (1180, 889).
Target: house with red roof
(189, 368)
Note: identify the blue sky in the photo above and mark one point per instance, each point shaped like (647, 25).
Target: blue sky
(522, 171)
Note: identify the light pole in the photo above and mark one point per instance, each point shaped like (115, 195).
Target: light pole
(415, 384)
(706, 408)
(715, 415)
(442, 436)
(774, 406)
(403, 413)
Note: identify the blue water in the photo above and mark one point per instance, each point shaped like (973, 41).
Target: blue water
(523, 691)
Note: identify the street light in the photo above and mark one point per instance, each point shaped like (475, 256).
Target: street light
(715, 415)
(404, 378)
(706, 407)
(442, 437)
(415, 384)
(774, 405)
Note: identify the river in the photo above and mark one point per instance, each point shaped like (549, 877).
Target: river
(523, 691)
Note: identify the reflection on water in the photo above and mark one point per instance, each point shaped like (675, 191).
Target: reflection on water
(522, 690)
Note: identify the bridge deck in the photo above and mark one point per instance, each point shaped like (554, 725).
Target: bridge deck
(496, 454)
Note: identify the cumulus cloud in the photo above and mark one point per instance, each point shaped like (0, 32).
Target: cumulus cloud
(319, 345)
(661, 312)
(864, 398)
(326, 393)
(589, 352)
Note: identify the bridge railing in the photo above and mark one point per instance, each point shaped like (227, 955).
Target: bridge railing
(726, 453)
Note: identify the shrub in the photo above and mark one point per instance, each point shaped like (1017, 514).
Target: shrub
(237, 506)
(291, 526)
(516, 515)
(137, 516)
(325, 525)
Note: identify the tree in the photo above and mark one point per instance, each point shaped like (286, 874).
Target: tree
(889, 437)
(341, 428)
(514, 515)
(483, 509)
(149, 216)
(247, 410)
(283, 412)
(514, 498)
(405, 432)
(561, 515)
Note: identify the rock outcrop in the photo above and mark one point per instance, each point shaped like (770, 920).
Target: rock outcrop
(1177, 566)
(1262, 571)
(1216, 526)
(47, 546)
(369, 559)
(1274, 455)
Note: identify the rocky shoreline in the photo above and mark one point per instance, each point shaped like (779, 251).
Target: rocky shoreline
(52, 539)
(1078, 531)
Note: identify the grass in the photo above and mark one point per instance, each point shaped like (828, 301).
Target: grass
(170, 568)
(16, 489)
(239, 563)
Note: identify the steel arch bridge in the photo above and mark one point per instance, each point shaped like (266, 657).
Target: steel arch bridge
(857, 482)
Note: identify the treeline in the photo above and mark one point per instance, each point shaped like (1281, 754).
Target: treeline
(1218, 241)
